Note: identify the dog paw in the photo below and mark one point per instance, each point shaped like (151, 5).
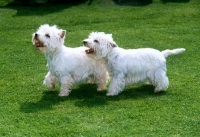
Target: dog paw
(51, 87)
(63, 94)
(110, 94)
(100, 90)
(149, 83)
(156, 91)
(90, 82)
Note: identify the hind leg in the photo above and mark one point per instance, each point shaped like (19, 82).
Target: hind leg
(159, 79)
(91, 79)
(148, 82)
(162, 84)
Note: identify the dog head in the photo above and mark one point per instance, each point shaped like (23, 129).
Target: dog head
(99, 44)
(48, 38)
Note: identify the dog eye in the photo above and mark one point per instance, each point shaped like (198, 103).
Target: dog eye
(47, 35)
(96, 41)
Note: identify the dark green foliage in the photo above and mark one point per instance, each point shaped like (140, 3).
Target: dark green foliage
(134, 2)
(176, 1)
(41, 2)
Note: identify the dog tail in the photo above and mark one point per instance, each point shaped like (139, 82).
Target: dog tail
(168, 52)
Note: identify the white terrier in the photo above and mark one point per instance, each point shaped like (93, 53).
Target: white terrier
(130, 66)
(67, 66)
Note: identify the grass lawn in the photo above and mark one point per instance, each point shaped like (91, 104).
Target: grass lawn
(27, 108)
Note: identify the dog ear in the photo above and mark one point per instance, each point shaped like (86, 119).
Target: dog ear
(113, 45)
(62, 34)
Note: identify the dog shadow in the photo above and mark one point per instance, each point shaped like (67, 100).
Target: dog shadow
(99, 99)
(51, 98)
(48, 100)
(85, 95)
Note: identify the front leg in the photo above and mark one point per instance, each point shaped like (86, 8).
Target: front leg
(101, 76)
(50, 80)
(117, 85)
(66, 83)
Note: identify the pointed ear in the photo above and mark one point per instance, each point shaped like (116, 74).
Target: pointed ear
(62, 33)
(113, 45)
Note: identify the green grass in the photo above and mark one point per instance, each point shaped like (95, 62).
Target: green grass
(27, 108)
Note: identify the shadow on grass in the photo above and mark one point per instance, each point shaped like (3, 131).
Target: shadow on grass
(45, 9)
(27, 8)
(144, 2)
(100, 99)
(86, 96)
(133, 2)
(36, 10)
(175, 1)
(48, 100)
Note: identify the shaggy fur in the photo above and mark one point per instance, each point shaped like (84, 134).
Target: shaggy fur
(130, 66)
(67, 66)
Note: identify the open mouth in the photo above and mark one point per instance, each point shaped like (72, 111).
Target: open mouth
(89, 51)
(38, 44)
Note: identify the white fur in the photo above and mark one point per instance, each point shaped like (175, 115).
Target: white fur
(67, 66)
(130, 66)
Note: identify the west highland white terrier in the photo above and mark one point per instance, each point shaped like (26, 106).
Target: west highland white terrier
(67, 66)
(130, 66)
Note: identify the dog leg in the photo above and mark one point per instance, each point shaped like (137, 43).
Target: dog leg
(162, 85)
(149, 82)
(66, 83)
(101, 77)
(102, 83)
(117, 85)
(50, 80)
(161, 81)
(91, 79)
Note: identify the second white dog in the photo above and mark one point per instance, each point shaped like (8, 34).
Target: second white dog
(66, 65)
(130, 66)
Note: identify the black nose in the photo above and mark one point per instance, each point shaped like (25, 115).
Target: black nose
(84, 42)
(36, 35)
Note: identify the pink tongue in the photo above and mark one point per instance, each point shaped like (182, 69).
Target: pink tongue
(88, 51)
(38, 44)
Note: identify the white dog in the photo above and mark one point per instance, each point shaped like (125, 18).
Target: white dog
(130, 66)
(67, 66)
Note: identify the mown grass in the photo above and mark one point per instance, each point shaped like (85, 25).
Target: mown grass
(27, 108)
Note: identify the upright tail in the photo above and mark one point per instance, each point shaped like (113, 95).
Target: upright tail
(168, 52)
